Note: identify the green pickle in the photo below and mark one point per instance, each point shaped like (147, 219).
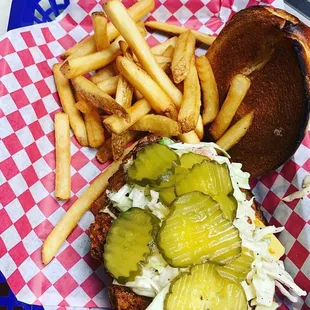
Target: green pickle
(167, 195)
(238, 269)
(208, 177)
(151, 163)
(127, 244)
(171, 177)
(188, 160)
(232, 297)
(178, 172)
(228, 205)
(195, 231)
(204, 288)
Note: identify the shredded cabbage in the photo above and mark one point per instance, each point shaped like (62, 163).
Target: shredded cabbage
(304, 192)
(157, 208)
(120, 199)
(159, 301)
(108, 211)
(136, 197)
(155, 276)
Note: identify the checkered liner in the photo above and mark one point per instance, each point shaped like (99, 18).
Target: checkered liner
(29, 209)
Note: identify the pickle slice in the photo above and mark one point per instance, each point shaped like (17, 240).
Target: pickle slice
(232, 297)
(195, 231)
(188, 160)
(167, 195)
(171, 177)
(204, 288)
(208, 177)
(127, 244)
(198, 289)
(166, 180)
(238, 269)
(151, 163)
(228, 205)
(178, 173)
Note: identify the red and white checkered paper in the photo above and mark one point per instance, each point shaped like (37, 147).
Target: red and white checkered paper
(29, 210)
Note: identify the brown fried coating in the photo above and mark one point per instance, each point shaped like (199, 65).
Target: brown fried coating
(98, 234)
(143, 142)
(99, 204)
(117, 180)
(123, 298)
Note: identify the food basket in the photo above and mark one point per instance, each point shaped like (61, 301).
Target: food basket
(28, 212)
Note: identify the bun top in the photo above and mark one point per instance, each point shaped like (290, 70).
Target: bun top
(272, 48)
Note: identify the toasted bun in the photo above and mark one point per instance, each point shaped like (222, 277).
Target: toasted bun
(272, 48)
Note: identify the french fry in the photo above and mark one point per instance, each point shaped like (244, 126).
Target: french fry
(105, 154)
(163, 59)
(127, 52)
(85, 47)
(84, 107)
(163, 49)
(138, 95)
(119, 142)
(95, 131)
(237, 91)
(174, 29)
(136, 12)
(79, 97)
(81, 65)
(157, 124)
(68, 103)
(109, 86)
(118, 125)
(63, 156)
(190, 107)
(168, 52)
(159, 100)
(118, 15)
(103, 74)
(125, 48)
(210, 96)
(159, 49)
(180, 86)
(94, 126)
(88, 45)
(69, 221)
(189, 137)
(103, 117)
(166, 68)
(182, 56)
(100, 30)
(142, 29)
(93, 94)
(233, 135)
(124, 92)
(199, 128)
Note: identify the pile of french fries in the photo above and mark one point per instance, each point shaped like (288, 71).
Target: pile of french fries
(135, 88)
